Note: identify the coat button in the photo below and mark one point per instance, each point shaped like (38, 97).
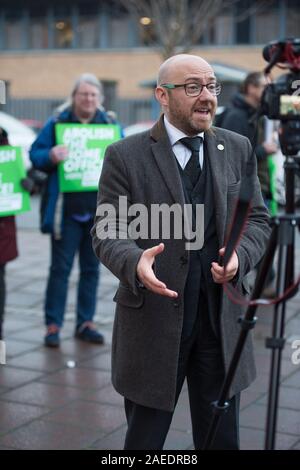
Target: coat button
(183, 260)
(176, 303)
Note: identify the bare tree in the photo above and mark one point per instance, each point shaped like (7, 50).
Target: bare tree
(177, 25)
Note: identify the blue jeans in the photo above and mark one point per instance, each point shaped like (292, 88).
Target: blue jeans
(75, 238)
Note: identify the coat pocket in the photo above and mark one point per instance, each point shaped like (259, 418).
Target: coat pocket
(232, 188)
(126, 297)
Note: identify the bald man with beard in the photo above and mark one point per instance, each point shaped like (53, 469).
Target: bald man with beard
(173, 321)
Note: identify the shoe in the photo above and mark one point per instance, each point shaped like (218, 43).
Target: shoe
(52, 336)
(87, 332)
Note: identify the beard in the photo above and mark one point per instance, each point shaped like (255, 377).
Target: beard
(187, 121)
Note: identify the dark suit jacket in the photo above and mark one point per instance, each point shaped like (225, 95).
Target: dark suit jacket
(147, 327)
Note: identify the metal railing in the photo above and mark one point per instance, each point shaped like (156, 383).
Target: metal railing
(129, 111)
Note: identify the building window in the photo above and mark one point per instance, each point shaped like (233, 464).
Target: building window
(219, 31)
(38, 30)
(119, 26)
(293, 18)
(266, 24)
(243, 31)
(223, 29)
(13, 29)
(87, 31)
(242, 22)
(63, 30)
(119, 32)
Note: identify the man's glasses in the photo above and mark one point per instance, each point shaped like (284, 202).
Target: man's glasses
(195, 89)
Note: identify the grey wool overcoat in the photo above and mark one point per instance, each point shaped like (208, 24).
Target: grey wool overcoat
(147, 326)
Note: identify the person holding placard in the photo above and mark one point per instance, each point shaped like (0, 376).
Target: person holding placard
(67, 212)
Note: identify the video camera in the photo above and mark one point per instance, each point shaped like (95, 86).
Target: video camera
(281, 99)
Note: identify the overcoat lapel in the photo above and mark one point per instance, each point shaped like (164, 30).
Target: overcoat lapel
(166, 161)
(217, 155)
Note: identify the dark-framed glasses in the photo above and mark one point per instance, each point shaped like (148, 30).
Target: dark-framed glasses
(195, 89)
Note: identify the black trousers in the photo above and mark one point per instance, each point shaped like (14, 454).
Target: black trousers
(201, 362)
(2, 296)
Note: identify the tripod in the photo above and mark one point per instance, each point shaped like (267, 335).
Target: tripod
(283, 235)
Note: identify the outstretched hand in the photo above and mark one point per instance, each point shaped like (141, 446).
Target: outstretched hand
(146, 274)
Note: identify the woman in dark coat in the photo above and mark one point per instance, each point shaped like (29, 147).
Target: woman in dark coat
(8, 244)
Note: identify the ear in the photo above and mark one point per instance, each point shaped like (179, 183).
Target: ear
(162, 96)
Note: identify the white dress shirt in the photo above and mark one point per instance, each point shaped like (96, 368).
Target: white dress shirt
(182, 153)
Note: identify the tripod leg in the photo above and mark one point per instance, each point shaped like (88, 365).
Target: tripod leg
(247, 323)
(276, 343)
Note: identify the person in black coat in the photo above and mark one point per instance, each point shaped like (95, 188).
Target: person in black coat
(240, 117)
(173, 319)
(68, 218)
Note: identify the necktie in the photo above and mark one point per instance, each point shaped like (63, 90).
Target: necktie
(192, 168)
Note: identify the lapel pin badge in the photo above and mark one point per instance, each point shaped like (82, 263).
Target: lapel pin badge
(220, 147)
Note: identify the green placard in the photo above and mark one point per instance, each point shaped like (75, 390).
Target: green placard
(86, 144)
(13, 198)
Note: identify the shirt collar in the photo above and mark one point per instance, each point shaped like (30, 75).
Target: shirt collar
(176, 134)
